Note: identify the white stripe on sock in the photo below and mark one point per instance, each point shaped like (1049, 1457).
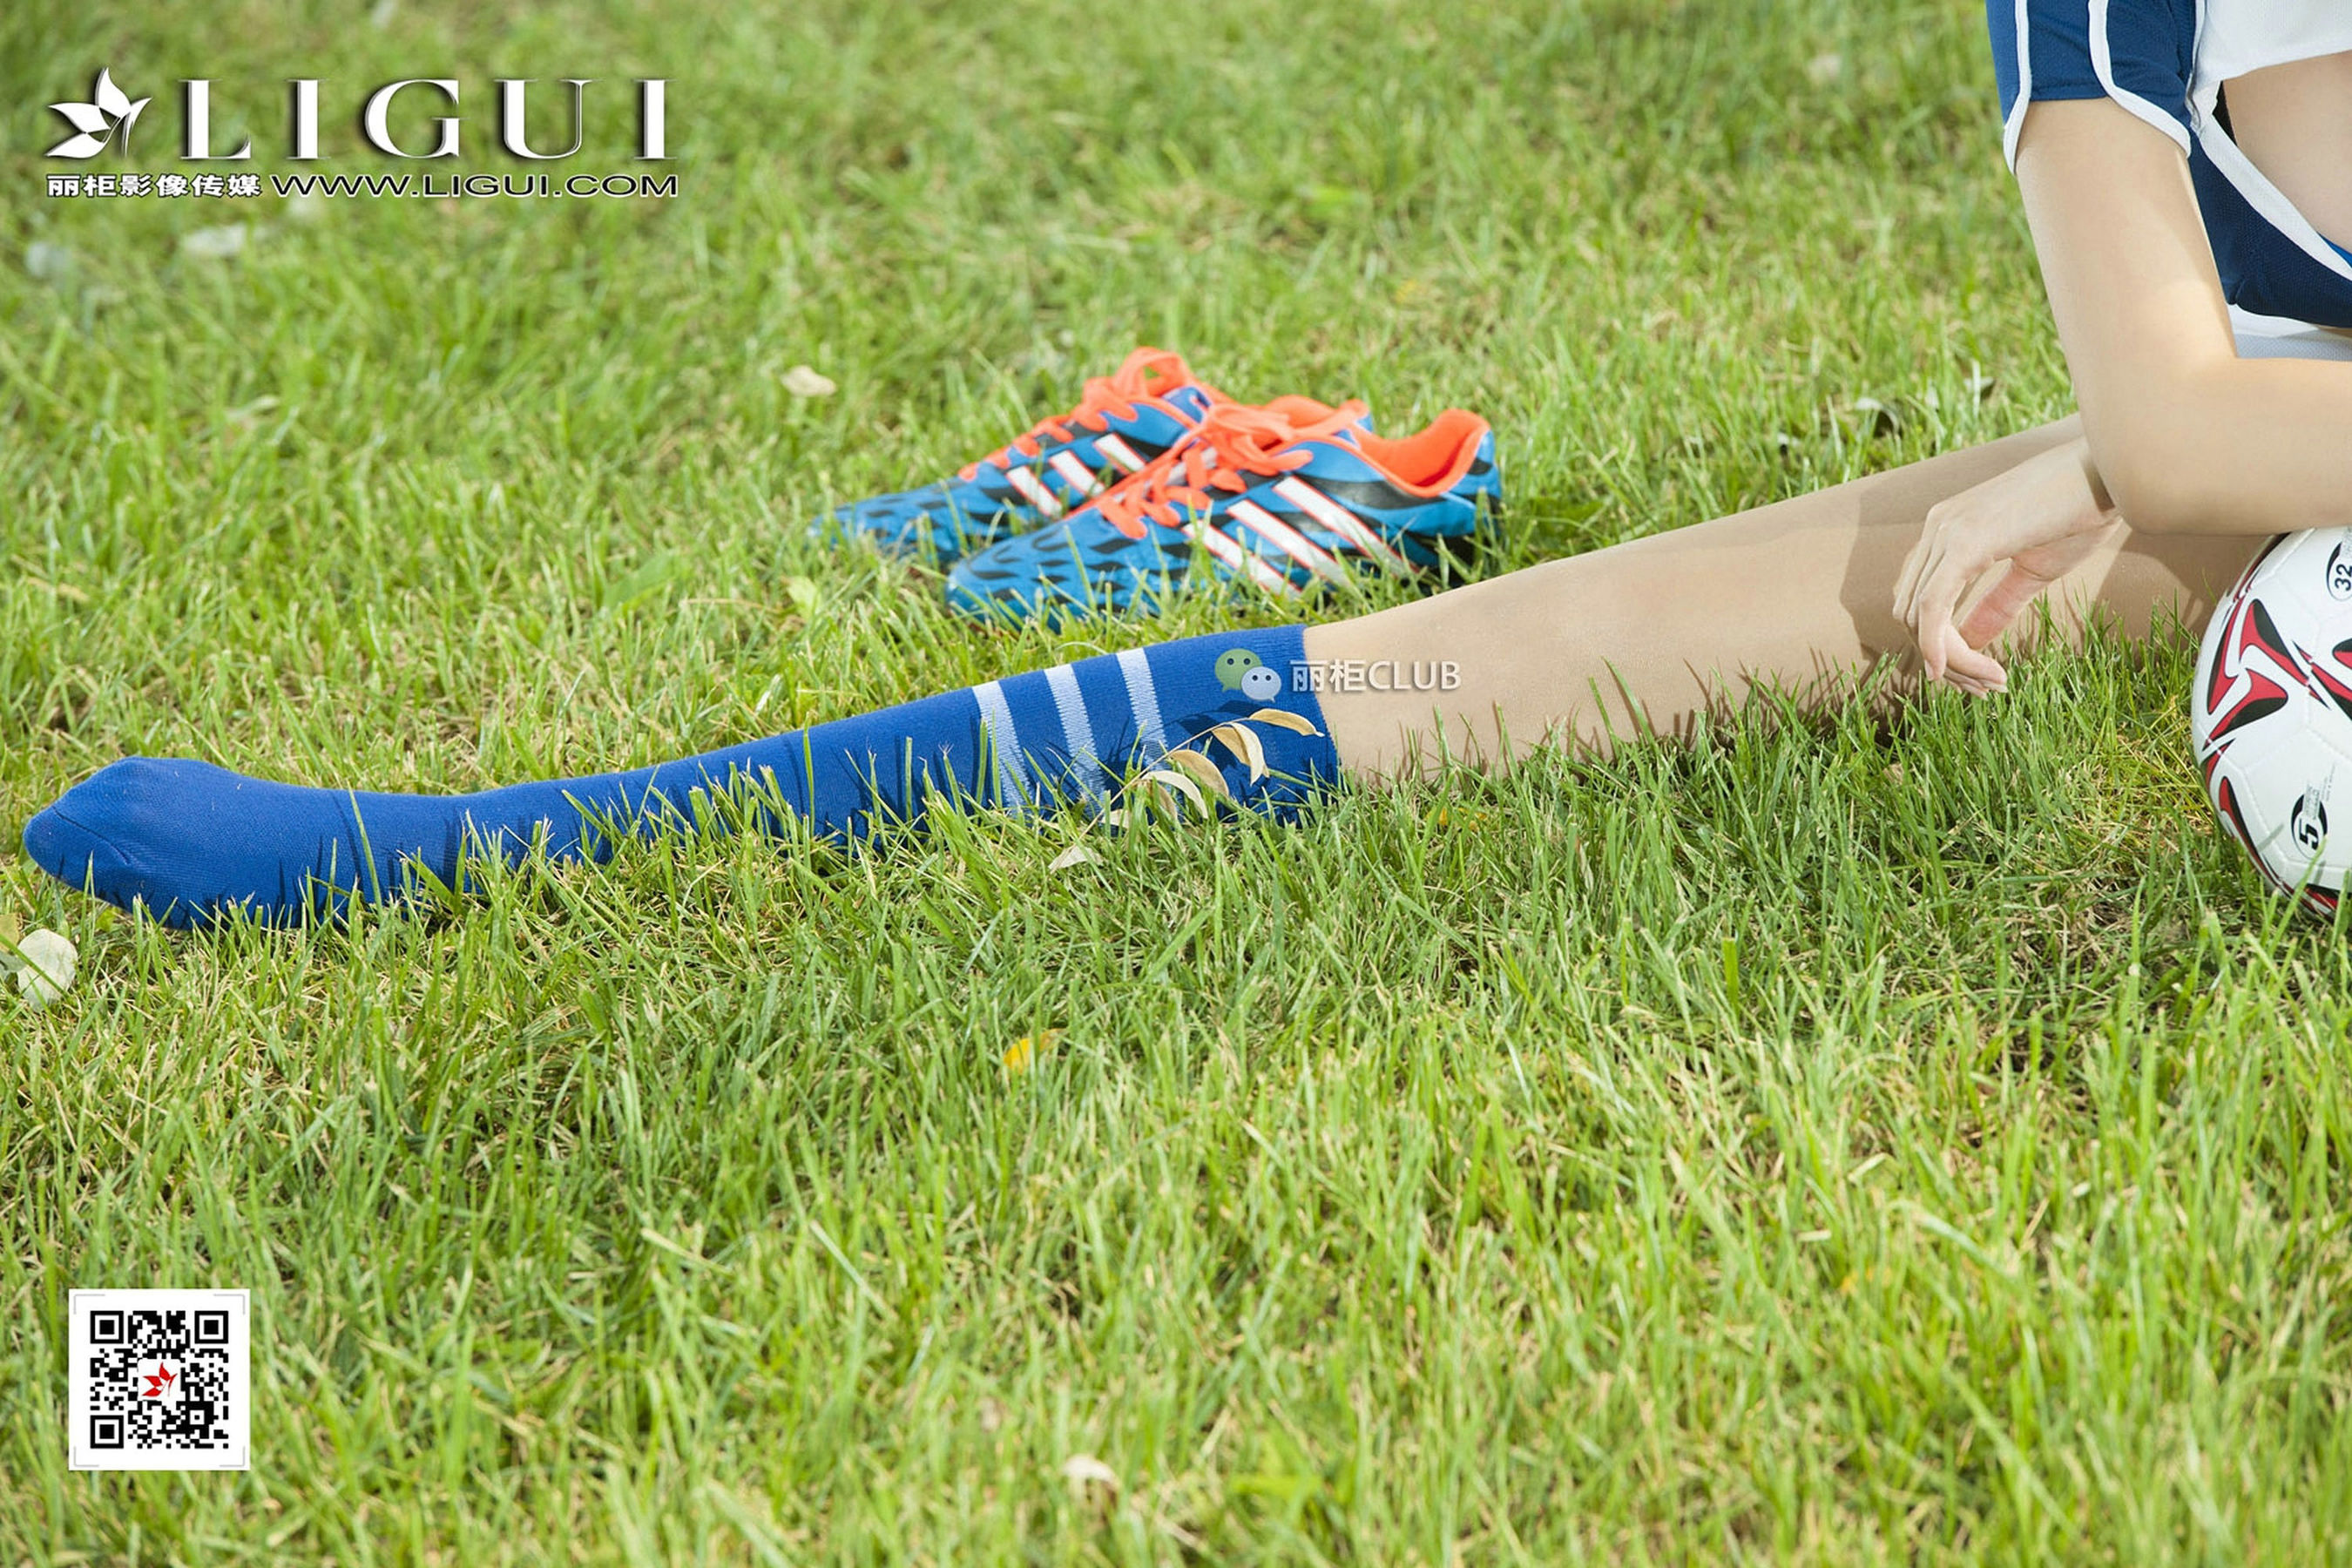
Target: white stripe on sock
(1032, 491)
(1288, 539)
(1120, 452)
(1077, 732)
(1144, 698)
(1344, 524)
(1004, 745)
(1074, 471)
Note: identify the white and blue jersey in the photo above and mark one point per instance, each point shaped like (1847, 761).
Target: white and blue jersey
(2166, 61)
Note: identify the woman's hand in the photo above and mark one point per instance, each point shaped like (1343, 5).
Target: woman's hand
(2044, 517)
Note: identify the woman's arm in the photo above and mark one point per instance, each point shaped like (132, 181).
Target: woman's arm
(2186, 438)
(2180, 436)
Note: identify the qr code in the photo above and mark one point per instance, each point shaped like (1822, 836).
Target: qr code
(159, 1380)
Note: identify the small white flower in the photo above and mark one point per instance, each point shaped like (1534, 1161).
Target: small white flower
(44, 967)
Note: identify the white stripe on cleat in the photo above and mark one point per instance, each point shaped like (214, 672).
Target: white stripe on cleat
(1239, 558)
(1288, 539)
(1074, 472)
(1120, 452)
(1344, 524)
(1032, 491)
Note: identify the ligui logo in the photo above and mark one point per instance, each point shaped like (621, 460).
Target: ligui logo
(107, 118)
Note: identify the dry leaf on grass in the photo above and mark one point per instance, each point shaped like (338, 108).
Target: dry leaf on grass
(1287, 721)
(1083, 1470)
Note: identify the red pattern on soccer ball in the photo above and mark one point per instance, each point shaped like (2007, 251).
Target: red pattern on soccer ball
(2333, 684)
(2250, 630)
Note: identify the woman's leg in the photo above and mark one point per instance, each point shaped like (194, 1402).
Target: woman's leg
(1796, 598)
(191, 841)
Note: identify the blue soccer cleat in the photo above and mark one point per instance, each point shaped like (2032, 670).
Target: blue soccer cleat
(1123, 422)
(1283, 500)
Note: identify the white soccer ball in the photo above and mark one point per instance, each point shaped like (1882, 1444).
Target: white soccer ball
(2271, 712)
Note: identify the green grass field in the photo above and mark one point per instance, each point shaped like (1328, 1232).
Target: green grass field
(1826, 1143)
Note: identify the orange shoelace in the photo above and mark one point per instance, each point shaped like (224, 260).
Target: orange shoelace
(1235, 443)
(1145, 373)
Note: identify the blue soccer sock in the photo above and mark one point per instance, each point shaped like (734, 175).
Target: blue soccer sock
(191, 840)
